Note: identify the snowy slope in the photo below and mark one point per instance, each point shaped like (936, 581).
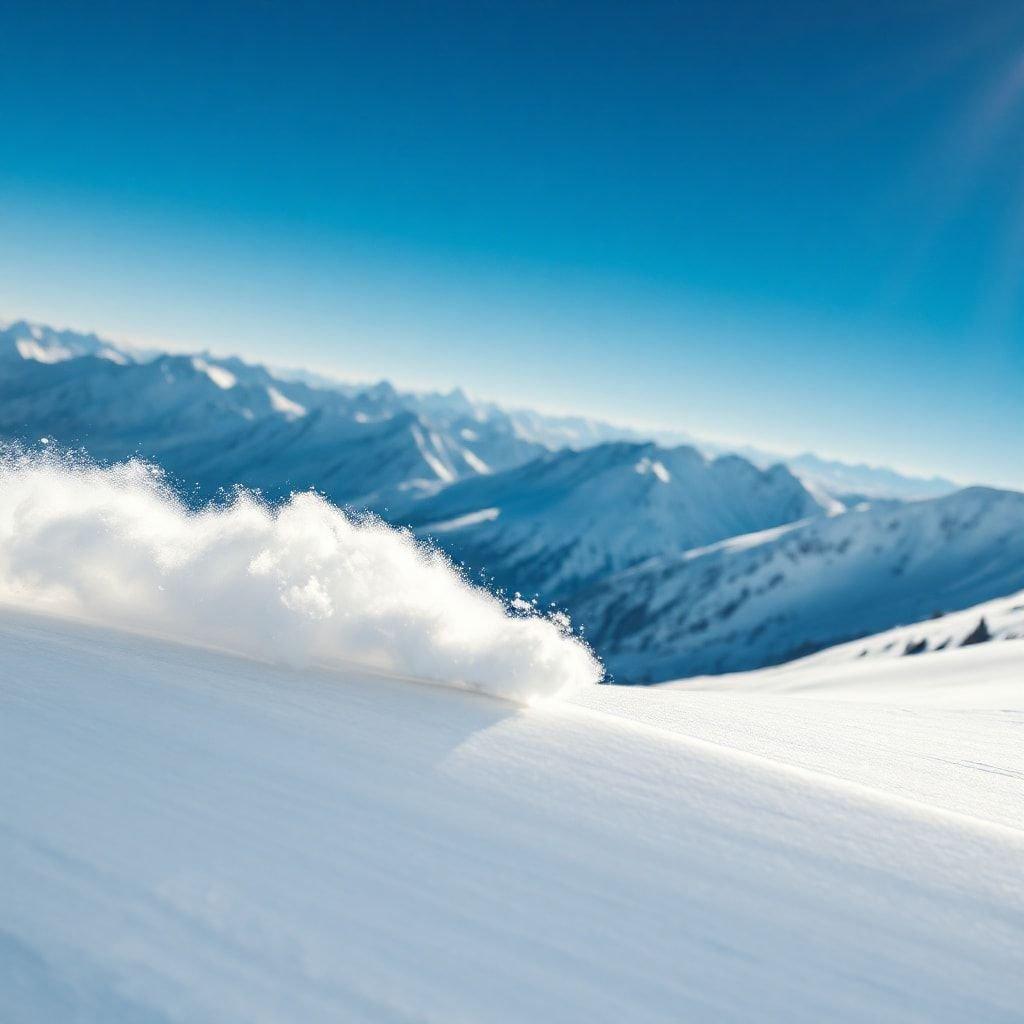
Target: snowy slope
(770, 597)
(944, 732)
(989, 677)
(942, 662)
(995, 621)
(569, 518)
(197, 838)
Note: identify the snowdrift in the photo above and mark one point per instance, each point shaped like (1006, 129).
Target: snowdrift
(299, 583)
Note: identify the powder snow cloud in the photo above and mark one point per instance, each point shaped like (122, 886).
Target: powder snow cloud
(298, 583)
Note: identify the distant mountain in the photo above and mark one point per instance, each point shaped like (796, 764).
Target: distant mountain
(772, 596)
(854, 482)
(480, 437)
(847, 482)
(218, 422)
(20, 339)
(568, 518)
(836, 484)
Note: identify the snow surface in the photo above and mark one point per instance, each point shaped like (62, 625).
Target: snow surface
(878, 669)
(299, 583)
(989, 677)
(949, 755)
(926, 663)
(224, 379)
(193, 837)
(285, 406)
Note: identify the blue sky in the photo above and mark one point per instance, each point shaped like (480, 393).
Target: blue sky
(796, 224)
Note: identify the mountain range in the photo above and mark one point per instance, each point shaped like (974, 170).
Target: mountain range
(475, 436)
(674, 556)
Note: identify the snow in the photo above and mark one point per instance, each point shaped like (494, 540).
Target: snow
(441, 470)
(655, 466)
(40, 344)
(942, 728)
(484, 515)
(1003, 617)
(224, 379)
(280, 403)
(611, 533)
(743, 541)
(831, 505)
(232, 798)
(113, 355)
(962, 755)
(300, 583)
(474, 462)
(989, 677)
(30, 348)
(194, 837)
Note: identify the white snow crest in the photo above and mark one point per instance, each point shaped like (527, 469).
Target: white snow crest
(224, 379)
(284, 405)
(298, 583)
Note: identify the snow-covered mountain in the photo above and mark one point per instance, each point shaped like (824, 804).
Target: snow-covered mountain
(217, 422)
(571, 517)
(773, 596)
(20, 339)
(478, 436)
(214, 423)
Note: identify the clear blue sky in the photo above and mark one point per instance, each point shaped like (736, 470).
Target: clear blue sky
(795, 223)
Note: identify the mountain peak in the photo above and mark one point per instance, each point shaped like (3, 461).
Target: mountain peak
(558, 523)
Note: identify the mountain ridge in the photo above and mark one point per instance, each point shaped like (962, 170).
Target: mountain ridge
(514, 434)
(566, 518)
(772, 597)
